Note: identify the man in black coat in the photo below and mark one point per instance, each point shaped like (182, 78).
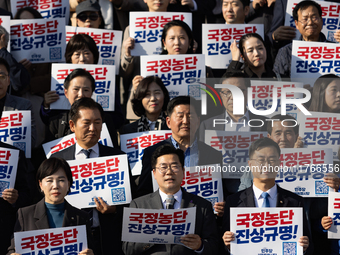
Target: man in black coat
(86, 122)
(183, 121)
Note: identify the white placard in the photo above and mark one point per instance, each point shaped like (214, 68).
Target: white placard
(9, 165)
(334, 213)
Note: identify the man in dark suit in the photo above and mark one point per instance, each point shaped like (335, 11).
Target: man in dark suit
(264, 191)
(86, 122)
(13, 103)
(167, 164)
(183, 121)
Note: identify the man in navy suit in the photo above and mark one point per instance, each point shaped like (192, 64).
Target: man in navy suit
(167, 164)
(183, 120)
(263, 152)
(86, 118)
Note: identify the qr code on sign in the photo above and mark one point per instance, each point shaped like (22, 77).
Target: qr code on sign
(289, 248)
(55, 53)
(321, 188)
(212, 200)
(103, 101)
(118, 195)
(331, 36)
(20, 145)
(3, 185)
(194, 91)
(177, 239)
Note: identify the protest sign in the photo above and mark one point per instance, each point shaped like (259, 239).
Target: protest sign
(179, 73)
(105, 177)
(147, 28)
(108, 43)
(157, 226)
(5, 22)
(330, 18)
(234, 147)
(68, 140)
(262, 96)
(104, 76)
(266, 230)
(217, 38)
(38, 40)
(310, 60)
(16, 129)
(334, 213)
(134, 144)
(320, 129)
(203, 181)
(51, 241)
(8, 166)
(303, 170)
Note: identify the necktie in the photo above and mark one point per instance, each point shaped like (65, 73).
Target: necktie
(87, 152)
(169, 202)
(265, 199)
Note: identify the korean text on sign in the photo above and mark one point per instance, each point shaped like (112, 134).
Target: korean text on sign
(157, 226)
(104, 76)
(134, 144)
(334, 212)
(217, 38)
(147, 28)
(38, 40)
(179, 73)
(67, 240)
(278, 229)
(8, 168)
(15, 129)
(105, 177)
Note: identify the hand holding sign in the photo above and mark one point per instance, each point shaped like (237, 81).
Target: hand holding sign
(10, 195)
(192, 241)
(337, 35)
(103, 207)
(86, 252)
(235, 51)
(219, 208)
(332, 181)
(227, 238)
(326, 222)
(304, 242)
(283, 33)
(128, 45)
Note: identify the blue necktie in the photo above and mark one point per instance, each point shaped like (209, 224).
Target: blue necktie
(169, 202)
(87, 152)
(265, 199)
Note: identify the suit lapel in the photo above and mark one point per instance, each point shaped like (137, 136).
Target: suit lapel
(69, 216)
(40, 215)
(156, 201)
(9, 105)
(186, 200)
(281, 198)
(247, 198)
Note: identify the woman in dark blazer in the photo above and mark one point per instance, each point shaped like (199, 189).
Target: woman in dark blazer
(54, 178)
(149, 103)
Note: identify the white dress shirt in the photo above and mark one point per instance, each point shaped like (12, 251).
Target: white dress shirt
(259, 199)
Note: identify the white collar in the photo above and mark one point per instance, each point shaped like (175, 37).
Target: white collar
(272, 192)
(94, 148)
(177, 195)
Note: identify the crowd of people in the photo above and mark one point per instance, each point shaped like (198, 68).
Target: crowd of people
(144, 104)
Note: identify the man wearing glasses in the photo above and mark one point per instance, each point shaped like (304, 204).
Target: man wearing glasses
(167, 168)
(264, 163)
(308, 20)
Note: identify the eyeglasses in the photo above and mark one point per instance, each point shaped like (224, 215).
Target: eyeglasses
(164, 168)
(83, 16)
(314, 19)
(226, 94)
(262, 161)
(3, 76)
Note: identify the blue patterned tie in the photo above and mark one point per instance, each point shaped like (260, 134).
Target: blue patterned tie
(265, 199)
(86, 152)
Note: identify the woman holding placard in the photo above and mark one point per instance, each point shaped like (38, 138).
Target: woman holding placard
(149, 103)
(54, 178)
(252, 50)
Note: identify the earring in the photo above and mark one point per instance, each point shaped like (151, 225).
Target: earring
(164, 48)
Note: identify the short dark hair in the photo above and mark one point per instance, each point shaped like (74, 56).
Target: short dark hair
(52, 165)
(29, 9)
(237, 74)
(303, 5)
(261, 143)
(182, 24)
(281, 118)
(140, 93)
(244, 3)
(318, 100)
(80, 42)
(79, 72)
(5, 63)
(245, 37)
(165, 150)
(84, 103)
(186, 100)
